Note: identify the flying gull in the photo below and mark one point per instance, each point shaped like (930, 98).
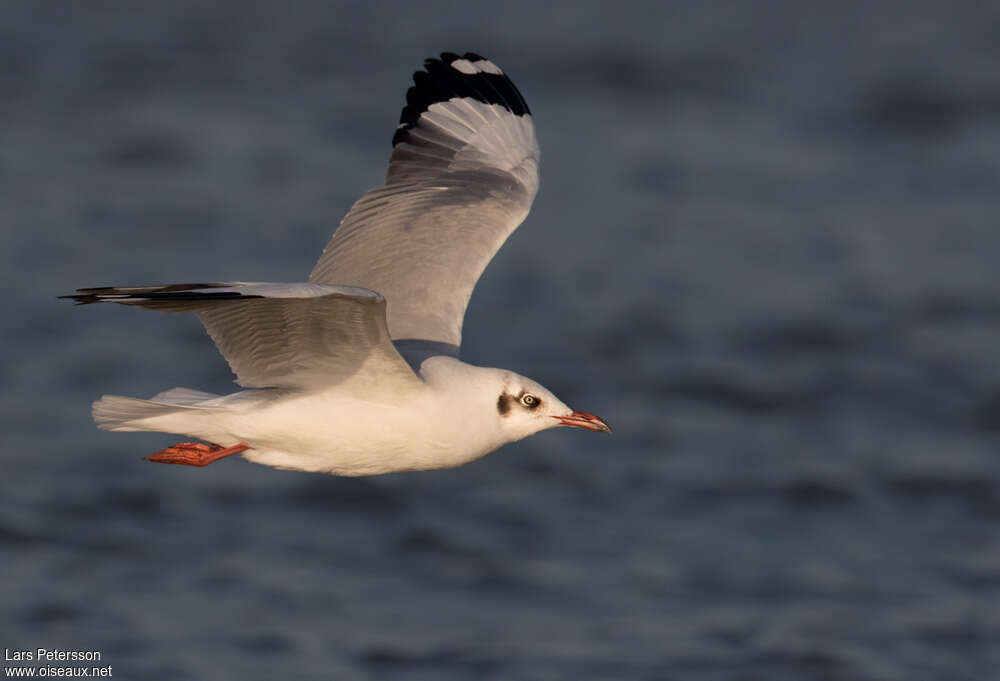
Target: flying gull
(356, 372)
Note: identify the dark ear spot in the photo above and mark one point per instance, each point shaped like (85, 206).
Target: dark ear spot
(503, 404)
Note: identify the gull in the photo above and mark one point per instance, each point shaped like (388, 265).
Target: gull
(357, 371)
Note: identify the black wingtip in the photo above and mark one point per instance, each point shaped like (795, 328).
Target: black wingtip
(441, 81)
(80, 298)
(169, 292)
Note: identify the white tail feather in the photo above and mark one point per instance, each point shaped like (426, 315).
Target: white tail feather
(123, 414)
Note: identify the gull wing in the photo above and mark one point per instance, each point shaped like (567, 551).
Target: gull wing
(284, 335)
(462, 176)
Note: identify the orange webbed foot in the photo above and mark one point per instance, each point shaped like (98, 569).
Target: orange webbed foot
(195, 453)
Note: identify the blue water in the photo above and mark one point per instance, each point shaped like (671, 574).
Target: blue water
(765, 250)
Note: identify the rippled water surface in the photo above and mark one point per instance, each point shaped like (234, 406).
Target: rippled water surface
(765, 250)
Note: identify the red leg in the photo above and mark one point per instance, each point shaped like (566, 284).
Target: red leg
(195, 453)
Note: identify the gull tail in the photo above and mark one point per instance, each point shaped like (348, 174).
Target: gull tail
(125, 414)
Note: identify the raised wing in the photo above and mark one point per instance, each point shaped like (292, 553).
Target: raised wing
(284, 335)
(462, 176)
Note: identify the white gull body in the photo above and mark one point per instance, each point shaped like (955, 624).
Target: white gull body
(356, 372)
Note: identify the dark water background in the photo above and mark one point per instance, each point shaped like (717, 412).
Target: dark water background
(765, 250)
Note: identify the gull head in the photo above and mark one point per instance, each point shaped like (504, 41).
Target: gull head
(525, 407)
(492, 407)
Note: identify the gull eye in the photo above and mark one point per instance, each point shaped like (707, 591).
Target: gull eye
(530, 401)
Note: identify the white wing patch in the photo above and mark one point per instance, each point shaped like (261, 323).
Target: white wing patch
(480, 66)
